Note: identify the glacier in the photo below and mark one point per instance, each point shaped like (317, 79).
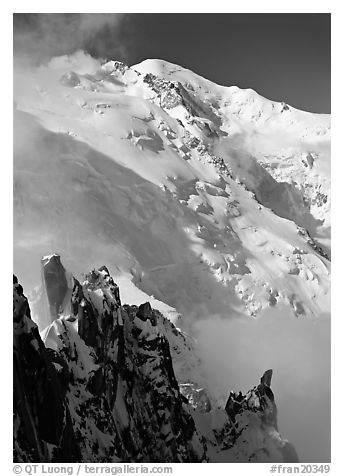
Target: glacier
(210, 202)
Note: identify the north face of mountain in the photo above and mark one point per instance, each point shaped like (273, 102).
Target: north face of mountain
(178, 180)
(211, 203)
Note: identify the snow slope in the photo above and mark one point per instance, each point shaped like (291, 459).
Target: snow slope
(210, 200)
(128, 160)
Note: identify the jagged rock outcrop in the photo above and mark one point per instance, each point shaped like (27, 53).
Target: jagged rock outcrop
(43, 429)
(116, 368)
(254, 420)
(102, 386)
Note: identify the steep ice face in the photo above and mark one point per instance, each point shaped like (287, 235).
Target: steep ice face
(210, 202)
(106, 372)
(265, 141)
(178, 180)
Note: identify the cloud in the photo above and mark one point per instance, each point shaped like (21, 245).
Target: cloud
(39, 37)
(237, 351)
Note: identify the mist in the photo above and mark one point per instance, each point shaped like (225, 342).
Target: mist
(237, 350)
(40, 36)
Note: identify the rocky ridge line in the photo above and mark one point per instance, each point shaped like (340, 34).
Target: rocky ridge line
(102, 388)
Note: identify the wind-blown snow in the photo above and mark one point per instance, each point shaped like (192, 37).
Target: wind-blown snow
(211, 200)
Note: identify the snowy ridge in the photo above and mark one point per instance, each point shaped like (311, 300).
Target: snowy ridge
(112, 377)
(218, 179)
(211, 203)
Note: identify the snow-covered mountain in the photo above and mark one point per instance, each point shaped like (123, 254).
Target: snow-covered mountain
(102, 387)
(207, 201)
(178, 180)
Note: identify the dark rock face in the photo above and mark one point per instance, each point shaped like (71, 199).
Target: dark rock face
(54, 278)
(111, 378)
(260, 401)
(42, 424)
(267, 400)
(145, 312)
(135, 376)
(103, 389)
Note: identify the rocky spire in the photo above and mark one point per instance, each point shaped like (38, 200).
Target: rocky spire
(103, 388)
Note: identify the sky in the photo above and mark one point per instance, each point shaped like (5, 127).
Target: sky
(284, 57)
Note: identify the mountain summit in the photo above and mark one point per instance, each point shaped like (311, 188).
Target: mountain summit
(175, 178)
(209, 203)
